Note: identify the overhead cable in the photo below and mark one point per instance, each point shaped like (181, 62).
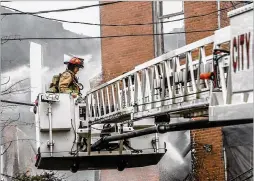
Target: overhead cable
(130, 24)
(18, 102)
(101, 37)
(61, 10)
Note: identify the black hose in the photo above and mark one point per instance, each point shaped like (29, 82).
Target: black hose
(19, 103)
(190, 125)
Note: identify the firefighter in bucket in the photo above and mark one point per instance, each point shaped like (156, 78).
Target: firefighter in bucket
(67, 81)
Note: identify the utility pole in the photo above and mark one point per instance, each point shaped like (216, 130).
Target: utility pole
(218, 8)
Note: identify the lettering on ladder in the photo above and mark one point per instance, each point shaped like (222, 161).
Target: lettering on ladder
(241, 44)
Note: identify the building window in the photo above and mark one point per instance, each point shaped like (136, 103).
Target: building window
(171, 8)
(171, 11)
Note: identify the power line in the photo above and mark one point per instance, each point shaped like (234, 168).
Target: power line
(233, 4)
(19, 103)
(102, 37)
(131, 24)
(61, 10)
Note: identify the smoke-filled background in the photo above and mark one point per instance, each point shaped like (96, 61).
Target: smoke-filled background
(176, 163)
(19, 64)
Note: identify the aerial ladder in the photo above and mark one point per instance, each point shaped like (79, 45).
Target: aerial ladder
(107, 128)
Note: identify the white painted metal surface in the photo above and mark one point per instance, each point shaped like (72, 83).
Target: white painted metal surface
(237, 94)
(63, 113)
(36, 62)
(168, 83)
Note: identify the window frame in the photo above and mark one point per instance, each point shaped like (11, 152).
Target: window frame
(159, 17)
(170, 14)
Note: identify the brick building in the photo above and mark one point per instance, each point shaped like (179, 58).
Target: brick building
(120, 55)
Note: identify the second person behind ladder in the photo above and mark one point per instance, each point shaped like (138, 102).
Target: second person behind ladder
(68, 82)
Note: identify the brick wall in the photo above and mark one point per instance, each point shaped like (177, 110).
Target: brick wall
(208, 165)
(225, 8)
(150, 173)
(121, 55)
(224, 17)
(200, 23)
(206, 22)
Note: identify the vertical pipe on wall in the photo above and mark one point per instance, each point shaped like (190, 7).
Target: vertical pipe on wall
(50, 144)
(225, 162)
(157, 29)
(218, 8)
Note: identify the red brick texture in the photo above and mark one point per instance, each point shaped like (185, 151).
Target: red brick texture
(121, 55)
(195, 8)
(225, 8)
(208, 165)
(150, 173)
(223, 14)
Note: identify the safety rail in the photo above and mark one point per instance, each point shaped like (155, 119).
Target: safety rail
(170, 82)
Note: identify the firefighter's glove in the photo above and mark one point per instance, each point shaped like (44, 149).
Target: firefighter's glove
(74, 94)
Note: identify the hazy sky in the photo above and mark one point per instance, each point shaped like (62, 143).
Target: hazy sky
(90, 15)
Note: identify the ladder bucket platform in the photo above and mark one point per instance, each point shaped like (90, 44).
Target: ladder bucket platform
(59, 135)
(98, 162)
